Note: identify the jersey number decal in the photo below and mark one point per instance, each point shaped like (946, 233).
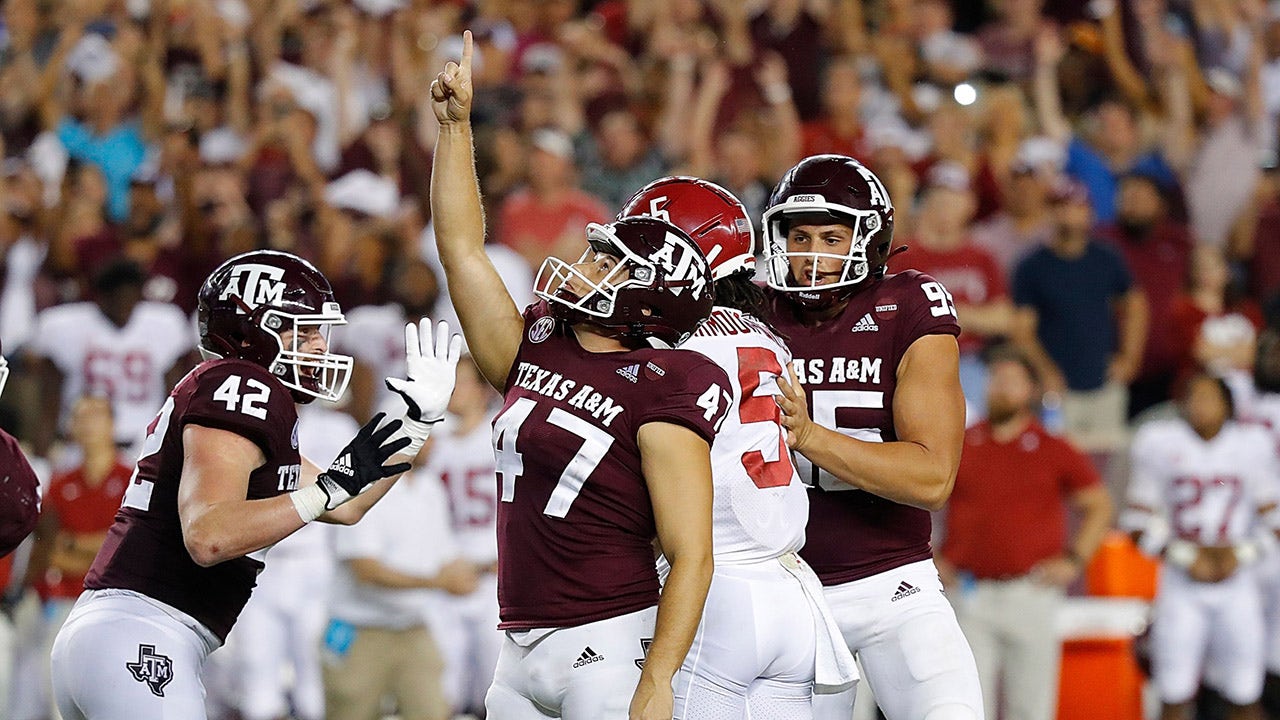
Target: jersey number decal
(470, 496)
(753, 364)
(510, 462)
(1189, 499)
(825, 404)
(251, 403)
(940, 295)
(138, 494)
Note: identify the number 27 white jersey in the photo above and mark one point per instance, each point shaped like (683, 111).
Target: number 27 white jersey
(1210, 491)
(760, 507)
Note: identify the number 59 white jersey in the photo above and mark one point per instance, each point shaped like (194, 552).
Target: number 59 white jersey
(760, 507)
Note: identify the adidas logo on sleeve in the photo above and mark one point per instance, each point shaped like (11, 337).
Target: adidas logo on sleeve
(588, 656)
(866, 324)
(905, 589)
(630, 372)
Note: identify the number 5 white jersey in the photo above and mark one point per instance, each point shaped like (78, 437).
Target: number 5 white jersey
(761, 507)
(1209, 490)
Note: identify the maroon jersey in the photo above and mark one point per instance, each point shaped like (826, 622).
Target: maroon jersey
(849, 367)
(575, 525)
(19, 495)
(144, 550)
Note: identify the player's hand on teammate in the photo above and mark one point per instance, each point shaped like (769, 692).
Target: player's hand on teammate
(432, 370)
(795, 411)
(361, 462)
(451, 91)
(653, 700)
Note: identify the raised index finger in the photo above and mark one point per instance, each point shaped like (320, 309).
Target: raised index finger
(466, 52)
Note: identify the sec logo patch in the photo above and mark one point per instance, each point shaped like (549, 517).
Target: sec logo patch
(542, 329)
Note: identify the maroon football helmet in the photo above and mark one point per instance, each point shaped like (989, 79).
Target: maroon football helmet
(828, 189)
(250, 303)
(660, 291)
(711, 215)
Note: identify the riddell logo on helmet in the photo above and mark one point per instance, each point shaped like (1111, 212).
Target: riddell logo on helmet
(256, 285)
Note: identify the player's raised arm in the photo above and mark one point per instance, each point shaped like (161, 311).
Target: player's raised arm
(490, 319)
(919, 469)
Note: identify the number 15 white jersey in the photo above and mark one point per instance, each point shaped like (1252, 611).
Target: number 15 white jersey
(761, 507)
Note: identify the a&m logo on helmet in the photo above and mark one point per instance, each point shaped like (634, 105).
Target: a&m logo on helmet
(687, 270)
(255, 285)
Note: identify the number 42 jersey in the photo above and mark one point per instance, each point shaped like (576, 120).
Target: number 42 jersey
(849, 366)
(144, 550)
(575, 523)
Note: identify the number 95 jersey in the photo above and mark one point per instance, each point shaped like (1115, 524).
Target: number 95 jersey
(848, 366)
(575, 523)
(144, 550)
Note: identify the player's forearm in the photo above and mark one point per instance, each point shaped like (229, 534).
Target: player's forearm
(456, 212)
(1096, 514)
(909, 473)
(226, 530)
(679, 612)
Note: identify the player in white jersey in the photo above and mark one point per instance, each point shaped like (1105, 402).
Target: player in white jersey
(120, 346)
(1203, 496)
(465, 626)
(757, 652)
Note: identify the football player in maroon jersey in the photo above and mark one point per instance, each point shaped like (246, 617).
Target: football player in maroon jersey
(602, 443)
(757, 654)
(220, 480)
(876, 359)
(20, 492)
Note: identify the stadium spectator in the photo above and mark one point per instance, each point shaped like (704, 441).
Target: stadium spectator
(1024, 221)
(1081, 321)
(75, 514)
(972, 277)
(1157, 249)
(1213, 326)
(1006, 572)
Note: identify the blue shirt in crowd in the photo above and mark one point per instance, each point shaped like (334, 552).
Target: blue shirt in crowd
(118, 153)
(1089, 167)
(1073, 299)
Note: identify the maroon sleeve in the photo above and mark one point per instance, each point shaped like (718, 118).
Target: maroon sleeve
(19, 495)
(242, 398)
(693, 393)
(929, 310)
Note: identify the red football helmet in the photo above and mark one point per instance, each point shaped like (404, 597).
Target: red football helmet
(828, 189)
(708, 213)
(250, 303)
(660, 291)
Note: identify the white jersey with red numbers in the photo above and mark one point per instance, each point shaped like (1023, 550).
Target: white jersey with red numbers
(126, 364)
(1209, 490)
(757, 653)
(761, 507)
(465, 463)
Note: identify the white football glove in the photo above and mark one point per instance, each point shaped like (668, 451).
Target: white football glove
(432, 370)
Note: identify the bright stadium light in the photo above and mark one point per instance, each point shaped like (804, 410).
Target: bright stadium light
(966, 94)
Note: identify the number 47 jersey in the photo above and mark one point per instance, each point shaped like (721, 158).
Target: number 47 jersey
(575, 522)
(760, 506)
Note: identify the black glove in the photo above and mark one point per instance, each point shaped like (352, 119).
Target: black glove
(360, 464)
